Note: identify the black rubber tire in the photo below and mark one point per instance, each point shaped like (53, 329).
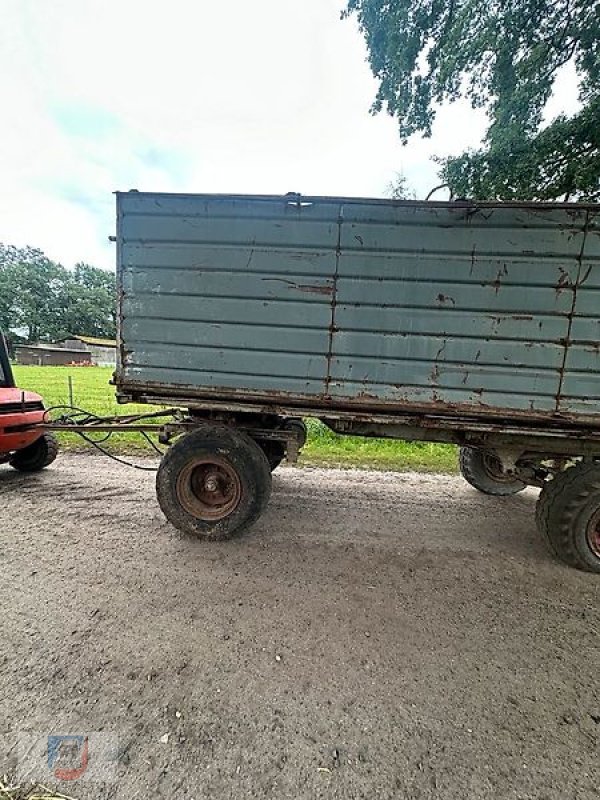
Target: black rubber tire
(475, 471)
(36, 456)
(274, 453)
(564, 510)
(241, 455)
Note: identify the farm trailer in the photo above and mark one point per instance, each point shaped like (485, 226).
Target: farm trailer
(470, 323)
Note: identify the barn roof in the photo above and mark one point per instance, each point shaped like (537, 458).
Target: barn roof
(94, 342)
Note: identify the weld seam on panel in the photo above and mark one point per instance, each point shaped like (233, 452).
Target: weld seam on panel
(315, 297)
(254, 374)
(214, 322)
(235, 217)
(470, 366)
(178, 244)
(449, 281)
(439, 388)
(244, 243)
(513, 257)
(462, 224)
(224, 271)
(134, 342)
(454, 336)
(490, 312)
(494, 255)
(413, 252)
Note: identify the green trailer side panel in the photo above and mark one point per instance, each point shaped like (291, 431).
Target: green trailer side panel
(580, 389)
(485, 308)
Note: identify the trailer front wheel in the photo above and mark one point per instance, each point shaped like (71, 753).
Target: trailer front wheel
(483, 471)
(213, 482)
(568, 516)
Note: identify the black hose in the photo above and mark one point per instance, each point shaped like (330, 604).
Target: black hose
(79, 416)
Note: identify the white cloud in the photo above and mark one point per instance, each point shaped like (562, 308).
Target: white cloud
(193, 95)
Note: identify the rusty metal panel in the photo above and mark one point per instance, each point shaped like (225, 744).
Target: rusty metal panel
(484, 308)
(455, 273)
(580, 385)
(225, 293)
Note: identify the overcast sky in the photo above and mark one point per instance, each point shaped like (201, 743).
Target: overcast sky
(269, 96)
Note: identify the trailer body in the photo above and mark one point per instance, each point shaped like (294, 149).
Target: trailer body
(486, 311)
(470, 323)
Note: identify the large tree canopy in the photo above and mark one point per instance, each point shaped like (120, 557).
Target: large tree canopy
(504, 56)
(44, 301)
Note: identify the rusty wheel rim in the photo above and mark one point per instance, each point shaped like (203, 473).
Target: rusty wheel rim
(494, 469)
(593, 534)
(209, 488)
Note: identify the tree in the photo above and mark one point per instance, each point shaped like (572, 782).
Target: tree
(47, 302)
(503, 56)
(91, 306)
(399, 188)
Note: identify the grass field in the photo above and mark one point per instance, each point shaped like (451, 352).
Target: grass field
(92, 392)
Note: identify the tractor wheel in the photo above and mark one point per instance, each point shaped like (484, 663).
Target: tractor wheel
(213, 482)
(568, 516)
(36, 456)
(482, 470)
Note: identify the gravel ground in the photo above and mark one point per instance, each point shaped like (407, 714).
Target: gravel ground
(375, 635)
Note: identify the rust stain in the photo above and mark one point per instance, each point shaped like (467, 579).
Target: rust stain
(586, 276)
(564, 281)
(304, 287)
(497, 283)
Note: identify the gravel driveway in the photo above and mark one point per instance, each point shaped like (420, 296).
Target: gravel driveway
(376, 635)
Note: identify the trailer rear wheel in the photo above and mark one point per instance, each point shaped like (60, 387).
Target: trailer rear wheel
(274, 452)
(36, 456)
(568, 516)
(483, 471)
(213, 482)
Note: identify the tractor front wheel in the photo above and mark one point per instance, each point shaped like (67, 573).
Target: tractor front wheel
(36, 456)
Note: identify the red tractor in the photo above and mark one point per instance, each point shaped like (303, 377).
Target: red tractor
(24, 447)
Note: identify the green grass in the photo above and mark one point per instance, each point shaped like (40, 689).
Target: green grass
(92, 392)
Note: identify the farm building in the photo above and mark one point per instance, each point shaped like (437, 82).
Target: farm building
(50, 355)
(103, 351)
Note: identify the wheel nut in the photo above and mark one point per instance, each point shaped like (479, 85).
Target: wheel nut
(211, 484)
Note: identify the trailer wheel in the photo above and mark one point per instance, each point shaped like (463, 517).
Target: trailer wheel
(568, 516)
(36, 456)
(482, 470)
(213, 482)
(274, 452)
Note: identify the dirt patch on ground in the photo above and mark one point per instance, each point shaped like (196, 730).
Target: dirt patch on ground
(375, 635)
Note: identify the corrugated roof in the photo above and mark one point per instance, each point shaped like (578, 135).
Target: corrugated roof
(97, 342)
(53, 348)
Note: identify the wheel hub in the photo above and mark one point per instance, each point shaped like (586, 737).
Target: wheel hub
(209, 488)
(593, 534)
(493, 467)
